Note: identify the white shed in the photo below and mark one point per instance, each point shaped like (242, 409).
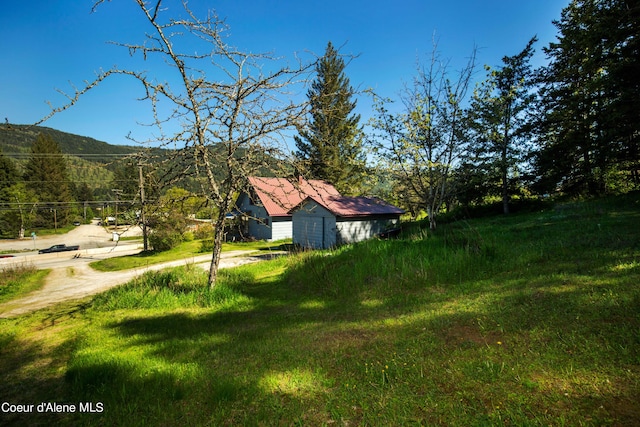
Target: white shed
(333, 221)
(314, 226)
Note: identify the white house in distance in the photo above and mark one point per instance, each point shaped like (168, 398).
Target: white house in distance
(270, 199)
(336, 220)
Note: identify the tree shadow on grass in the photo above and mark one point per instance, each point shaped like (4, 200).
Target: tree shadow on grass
(278, 350)
(30, 375)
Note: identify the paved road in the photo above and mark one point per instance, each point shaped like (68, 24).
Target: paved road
(88, 236)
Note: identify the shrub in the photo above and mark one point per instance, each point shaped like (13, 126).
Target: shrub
(163, 240)
(204, 231)
(206, 245)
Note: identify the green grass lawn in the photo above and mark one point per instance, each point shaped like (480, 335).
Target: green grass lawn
(531, 319)
(182, 251)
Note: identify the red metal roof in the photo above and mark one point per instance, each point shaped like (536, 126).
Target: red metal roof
(279, 195)
(356, 206)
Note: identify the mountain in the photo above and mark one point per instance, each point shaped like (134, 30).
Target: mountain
(91, 161)
(16, 139)
(88, 160)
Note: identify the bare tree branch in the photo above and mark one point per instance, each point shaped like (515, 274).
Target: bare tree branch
(231, 109)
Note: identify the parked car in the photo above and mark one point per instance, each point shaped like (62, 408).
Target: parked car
(58, 248)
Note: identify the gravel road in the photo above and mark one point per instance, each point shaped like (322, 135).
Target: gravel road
(71, 278)
(78, 280)
(88, 236)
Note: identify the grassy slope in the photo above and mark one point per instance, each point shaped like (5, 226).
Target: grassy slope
(18, 281)
(527, 320)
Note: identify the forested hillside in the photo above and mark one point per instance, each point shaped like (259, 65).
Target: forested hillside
(19, 138)
(52, 178)
(89, 161)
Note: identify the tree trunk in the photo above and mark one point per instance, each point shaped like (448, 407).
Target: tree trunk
(218, 236)
(505, 192)
(504, 166)
(432, 218)
(588, 171)
(505, 183)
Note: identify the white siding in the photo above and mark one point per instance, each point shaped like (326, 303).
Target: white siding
(261, 225)
(281, 228)
(314, 227)
(356, 230)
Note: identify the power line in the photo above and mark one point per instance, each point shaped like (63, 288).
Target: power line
(70, 180)
(58, 155)
(69, 203)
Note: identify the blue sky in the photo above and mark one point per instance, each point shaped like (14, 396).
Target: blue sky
(50, 45)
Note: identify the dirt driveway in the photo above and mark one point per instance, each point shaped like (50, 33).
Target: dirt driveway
(77, 280)
(71, 277)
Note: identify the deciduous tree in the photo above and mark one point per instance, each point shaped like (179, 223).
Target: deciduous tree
(17, 209)
(420, 144)
(231, 108)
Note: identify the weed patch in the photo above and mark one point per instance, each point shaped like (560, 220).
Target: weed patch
(19, 280)
(180, 287)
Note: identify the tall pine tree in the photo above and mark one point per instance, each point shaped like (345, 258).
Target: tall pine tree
(46, 174)
(620, 22)
(499, 117)
(591, 99)
(330, 146)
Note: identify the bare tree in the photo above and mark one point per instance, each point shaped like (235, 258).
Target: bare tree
(231, 108)
(421, 143)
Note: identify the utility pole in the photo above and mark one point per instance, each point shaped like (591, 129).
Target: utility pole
(55, 220)
(142, 217)
(117, 192)
(21, 233)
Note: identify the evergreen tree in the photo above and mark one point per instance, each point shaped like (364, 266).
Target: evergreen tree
(125, 178)
(499, 120)
(620, 24)
(82, 192)
(17, 210)
(590, 100)
(330, 146)
(46, 174)
(8, 173)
